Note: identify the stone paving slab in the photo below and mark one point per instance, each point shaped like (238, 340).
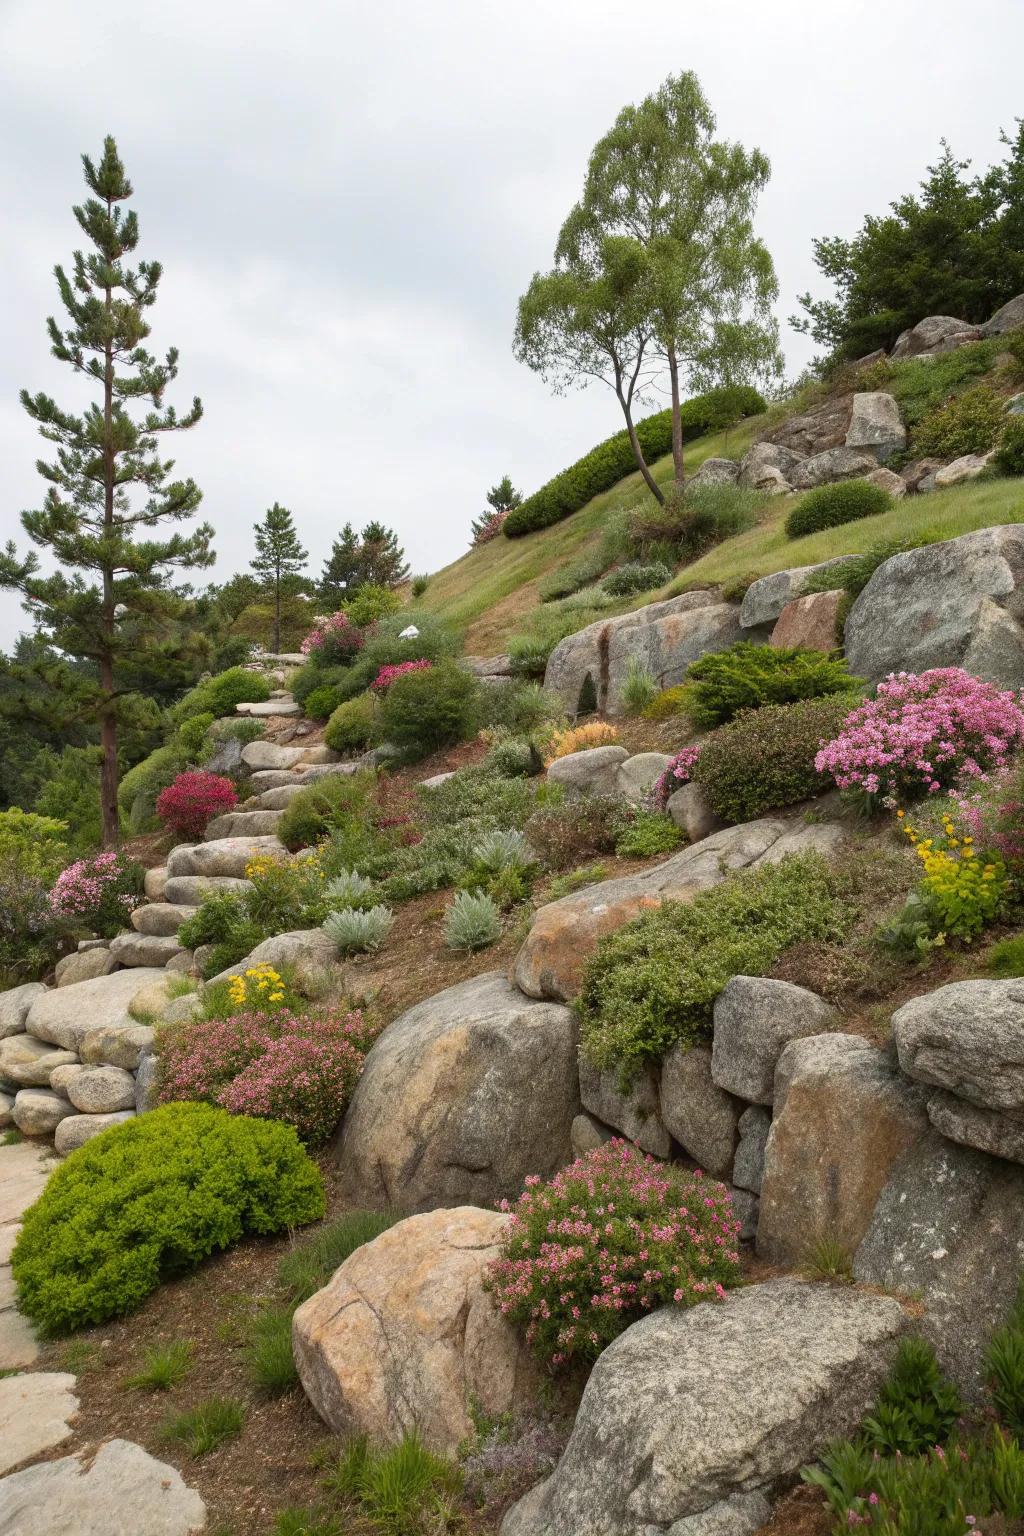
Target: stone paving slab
(123, 1492)
(35, 1414)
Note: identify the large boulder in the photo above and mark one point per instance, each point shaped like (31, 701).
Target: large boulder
(101, 1090)
(953, 604)
(1009, 318)
(754, 1127)
(767, 466)
(663, 637)
(968, 467)
(75, 1130)
(843, 1115)
(638, 775)
(967, 1037)
(814, 431)
(83, 965)
(227, 856)
(766, 599)
(755, 1019)
(190, 890)
(247, 823)
(972, 1126)
(38, 1111)
(949, 1229)
(687, 1409)
(935, 333)
(29, 1063)
(15, 1005)
(809, 623)
(689, 809)
(565, 933)
(635, 1111)
(404, 1338)
(832, 465)
(64, 1017)
(462, 1097)
(162, 919)
(592, 772)
(700, 1115)
(118, 1045)
(714, 472)
(876, 426)
(267, 754)
(118, 1488)
(138, 951)
(307, 952)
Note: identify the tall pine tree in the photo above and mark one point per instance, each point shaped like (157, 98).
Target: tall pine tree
(373, 558)
(280, 559)
(114, 597)
(341, 569)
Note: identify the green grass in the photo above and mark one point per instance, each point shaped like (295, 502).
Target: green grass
(202, 1428)
(11, 1137)
(312, 1262)
(268, 1354)
(306, 1522)
(488, 590)
(827, 1259)
(163, 1367)
(403, 1491)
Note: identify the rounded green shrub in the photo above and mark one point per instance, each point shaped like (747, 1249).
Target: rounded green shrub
(1010, 455)
(723, 683)
(634, 577)
(351, 724)
(828, 506)
(321, 702)
(219, 695)
(969, 423)
(423, 711)
(764, 760)
(327, 803)
(150, 1199)
(137, 791)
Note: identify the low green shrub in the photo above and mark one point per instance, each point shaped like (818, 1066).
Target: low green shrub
(1013, 344)
(357, 930)
(635, 577)
(401, 1490)
(351, 725)
(668, 703)
(513, 758)
(828, 506)
(1004, 1369)
(472, 921)
(528, 655)
(324, 805)
(565, 832)
(1006, 959)
(654, 982)
(218, 695)
(969, 423)
(419, 585)
(370, 603)
(723, 683)
(268, 1353)
(764, 760)
(140, 786)
(151, 1198)
(31, 845)
(424, 711)
(349, 888)
(322, 702)
(70, 792)
(1010, 454)
(517, 707)
(566, 579)
(691, 521)
(917, 1408)
(643, 834)
(922, 385)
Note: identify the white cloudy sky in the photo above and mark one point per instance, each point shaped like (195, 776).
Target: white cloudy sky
(349, 198)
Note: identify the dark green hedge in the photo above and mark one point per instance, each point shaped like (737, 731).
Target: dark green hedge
(608, 463)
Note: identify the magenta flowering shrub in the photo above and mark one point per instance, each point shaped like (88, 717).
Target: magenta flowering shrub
(297, 1068)
(924, 732)
(674, 775)
(609, 1238)
(333, 639)
(193, 799)
(99, 893)
(487, 528)
(388, 675)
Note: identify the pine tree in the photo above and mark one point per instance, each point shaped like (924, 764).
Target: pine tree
(502, 499)
(381, 557)
(88, 520)
(280, 559)
(341, 569)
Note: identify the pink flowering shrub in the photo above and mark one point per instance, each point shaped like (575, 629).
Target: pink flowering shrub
(922, 733)
(674, 775)
(611, 1237)
(99, 893)
(297, 1068)
(992, 813)
(334, 639)
(388, 675)
(193, 799)
(487, 528)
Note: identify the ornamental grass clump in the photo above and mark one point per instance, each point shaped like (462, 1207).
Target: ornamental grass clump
(473, 921)
(192, 800)
(922, 733)
(613, 1236)
(580, 738)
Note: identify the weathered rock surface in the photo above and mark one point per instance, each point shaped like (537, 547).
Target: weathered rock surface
(267, 754)
(161, 919)
(748, 1169)
(462, 1097)
(15, 1005)
(122, 1489)
(308, 951)
(843, 1115)
(935, 333)
(38, 1112)
(565, 933)
(116, 1045)
(949, 1228)
(266, 708)
(155, 883)
(137, 951)
(945, 605)
(638, 775)
(404, 1337)
(190, 890)
(83, 965)
(276, 799)
(687, 1409)
(765, 599)
(635, 1113)
(6, 1106)
(588, 1134)
(36, 1410)
(226, 856)
(29, 1062)
(593, 772)
(247, 823)
(832, 465)
(809, 622)
(741, 1515)
(972, 1126)
(65, 1016)
(663, 637)
(689, 809)
(227, 758)
(75, 1130)
(1006, 319)
(876, 426)
(755, 1019)
(967, 1037)
(816, 430)
(968, 467)
(887, 480)
(767, 466)
(101, 1090)
(700, 1115)
(715, 472)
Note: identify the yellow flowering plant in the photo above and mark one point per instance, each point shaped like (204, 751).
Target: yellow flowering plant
(260, 988)
(962, 888)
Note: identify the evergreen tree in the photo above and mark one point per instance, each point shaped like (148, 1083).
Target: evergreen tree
(502, 499)
(374, 558)
(340, 570)
(115, 599)
(279, 561)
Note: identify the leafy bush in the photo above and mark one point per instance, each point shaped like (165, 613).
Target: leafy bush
(923, 732)
(149, 1199)
(32, 935)
(580, 738)
(31, 845)
(921, 385)
(419, 585)
(423, 711)
(566, 832)
(917, 1408)
(969, 423)
(243, 729)
(501, 849)
(765, 759)
(961, 891)
(333, 640)
(323, 805)
(511, 758)
(282, 896)
(609, 1238)
(691, 521)
(322, 701)
(528, 654)
(98, 894)
(746, 676)
(351, 725)
(1010, 457)
(566, 579)
(608, 463)
(219, 695)
(70, 792)
(1006, 959)
(356, 930)
(517, 707)
(472, 921)
(370, 603)
(654, 982)
(667, 704)
(305, 1076)
(827, 506)
(643, 834)
(192, 800)
(635, 577)
(140, 786)
(1004, 1365)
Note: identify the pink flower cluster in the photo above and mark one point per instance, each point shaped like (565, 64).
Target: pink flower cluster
(614, 1235)
(674, 775)
(993, 814)
(337, 633)
(299, 1068)
(922, 733)
(89, 887)
(388, 675)
(193, 799)
(489, 527)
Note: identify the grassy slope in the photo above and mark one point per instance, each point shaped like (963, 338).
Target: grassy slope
(489, 589)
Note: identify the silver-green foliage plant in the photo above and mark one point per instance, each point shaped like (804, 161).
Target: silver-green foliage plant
(472, 922)
(355, 932)
(349, 889)
(502, 850)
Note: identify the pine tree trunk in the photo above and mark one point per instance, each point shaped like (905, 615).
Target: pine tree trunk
(108, 724)
(108, 764)
(277, 617)
(677, 421)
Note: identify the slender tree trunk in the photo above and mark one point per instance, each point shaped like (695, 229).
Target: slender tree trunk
(108, 723)
(277, 617)
(677, 420)
(638, 453)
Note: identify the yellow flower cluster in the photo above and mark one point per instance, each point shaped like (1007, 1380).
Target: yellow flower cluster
(260, 984)
(964, 890)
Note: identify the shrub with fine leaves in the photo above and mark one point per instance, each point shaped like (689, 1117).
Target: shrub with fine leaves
(355, 932)
(472, 921)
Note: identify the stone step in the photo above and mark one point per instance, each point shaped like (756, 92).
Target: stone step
(187, 891)
(326, 770)
(275, 799)
(29, 1063)
(225, 856)
(83, 965)
(161, 919)
(285, 706)
(241, 823)
(274, 778)
(134, 950)
(156, 879)
(267, 754)
(66, 1015)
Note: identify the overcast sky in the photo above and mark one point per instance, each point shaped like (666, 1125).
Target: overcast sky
(349, 198)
